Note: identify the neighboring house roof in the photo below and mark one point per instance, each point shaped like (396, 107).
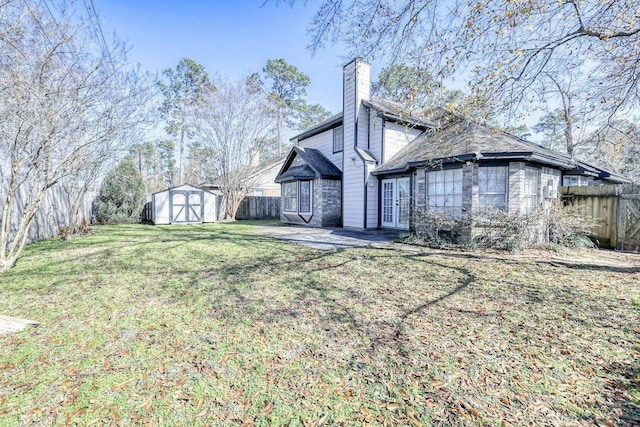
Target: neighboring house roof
(316, 165)
(465, 140)
(214, 183)
(390, 110)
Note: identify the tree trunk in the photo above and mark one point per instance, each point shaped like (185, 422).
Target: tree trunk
(9, 253)
(181, 155)
(568, 128)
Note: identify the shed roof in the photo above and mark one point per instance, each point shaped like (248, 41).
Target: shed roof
(184, 187)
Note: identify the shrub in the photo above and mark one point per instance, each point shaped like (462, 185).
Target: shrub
(81, 230)
(569, 225)
(556, 225)
(506, 230)
(434, 228)
(122, 195)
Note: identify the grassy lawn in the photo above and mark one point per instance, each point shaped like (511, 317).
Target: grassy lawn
(216, 325)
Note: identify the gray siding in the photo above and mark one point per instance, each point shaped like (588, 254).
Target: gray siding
(396, 137)
(356, 76)
(324, 143)
(516, 186)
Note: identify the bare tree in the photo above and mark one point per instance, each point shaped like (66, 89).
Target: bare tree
(506, 46)
(236, 127)
(65, 96)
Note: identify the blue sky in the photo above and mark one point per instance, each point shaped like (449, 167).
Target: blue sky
(231, 38)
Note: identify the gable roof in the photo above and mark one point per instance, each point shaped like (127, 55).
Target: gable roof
(465, 140)
(316, 165)
(389, 110)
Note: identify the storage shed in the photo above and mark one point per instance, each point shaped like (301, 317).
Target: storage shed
(184, 204)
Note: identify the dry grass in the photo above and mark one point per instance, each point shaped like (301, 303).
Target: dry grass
(215, 325)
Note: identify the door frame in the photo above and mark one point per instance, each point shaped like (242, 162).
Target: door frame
(395, 202)
(186, 207)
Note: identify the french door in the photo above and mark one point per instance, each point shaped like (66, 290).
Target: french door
(396, 202)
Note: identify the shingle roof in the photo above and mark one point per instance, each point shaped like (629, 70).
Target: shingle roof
(316, 166)
(399, 112)
(464, 140)
(333, 121)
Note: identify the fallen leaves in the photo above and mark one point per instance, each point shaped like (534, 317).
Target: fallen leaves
(256, 333)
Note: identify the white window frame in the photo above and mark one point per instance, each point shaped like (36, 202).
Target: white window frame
(530, 195)
(290, 196)
(309, 195)
(444, 191)
(500, 189)
(338, 139)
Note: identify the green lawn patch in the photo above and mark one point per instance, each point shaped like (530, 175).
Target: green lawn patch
(217, 325)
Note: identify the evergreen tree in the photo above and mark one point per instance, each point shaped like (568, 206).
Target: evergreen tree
(122, 194)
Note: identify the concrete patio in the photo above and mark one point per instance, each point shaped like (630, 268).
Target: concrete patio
(330, 238)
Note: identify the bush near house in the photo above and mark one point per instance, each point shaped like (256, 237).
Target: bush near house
(556, 224)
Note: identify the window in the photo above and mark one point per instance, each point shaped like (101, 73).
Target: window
(289, 196)
(444, 191)
(531, 184)
(492, 188)
(338, 140)
(574, 181)
(305, 197)
(296, 197)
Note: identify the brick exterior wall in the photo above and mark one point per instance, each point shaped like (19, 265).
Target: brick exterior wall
(327, 204)
(331, 202)
(470, 190)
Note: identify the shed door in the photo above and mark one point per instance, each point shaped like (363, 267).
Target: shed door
(396, 202)
(186, 206)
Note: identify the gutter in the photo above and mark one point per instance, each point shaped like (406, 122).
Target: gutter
(474, 157)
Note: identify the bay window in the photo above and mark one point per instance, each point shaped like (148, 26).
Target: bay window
(305, 197)
(296, 196)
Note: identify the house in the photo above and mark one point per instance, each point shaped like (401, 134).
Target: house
(261, 199)
(261, 179)
(372, 165)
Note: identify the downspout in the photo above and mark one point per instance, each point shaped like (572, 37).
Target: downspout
(364, 168)
(384, 126)
(379, 203)
(382, 144)
(412, 199)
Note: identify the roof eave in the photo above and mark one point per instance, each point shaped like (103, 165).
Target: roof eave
(337, 121)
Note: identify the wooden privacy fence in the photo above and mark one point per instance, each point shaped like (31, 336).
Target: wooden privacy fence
(53, 213)
(615, 210)
(259, 207)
